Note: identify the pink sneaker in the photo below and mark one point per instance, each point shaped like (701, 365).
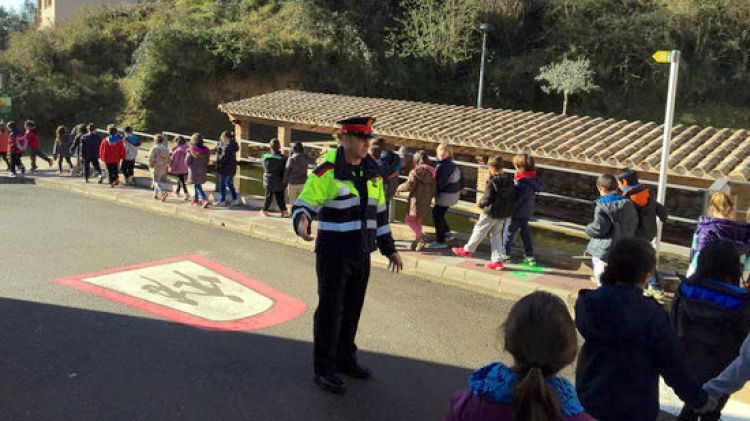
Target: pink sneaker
(461, 252)
(494, 266)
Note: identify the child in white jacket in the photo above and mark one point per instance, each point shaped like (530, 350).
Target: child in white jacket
(158, 161)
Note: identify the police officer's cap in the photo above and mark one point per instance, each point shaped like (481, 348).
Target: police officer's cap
(357, 126)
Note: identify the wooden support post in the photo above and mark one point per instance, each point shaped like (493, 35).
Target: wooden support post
(740, 193)
(483, 174)
(284, 134)
(241, 131)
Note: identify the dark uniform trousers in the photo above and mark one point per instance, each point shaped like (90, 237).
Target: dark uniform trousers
(342, 283)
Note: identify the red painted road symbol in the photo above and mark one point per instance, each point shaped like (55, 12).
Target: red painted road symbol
(192, 290)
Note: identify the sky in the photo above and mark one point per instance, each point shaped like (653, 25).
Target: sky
(11, 3)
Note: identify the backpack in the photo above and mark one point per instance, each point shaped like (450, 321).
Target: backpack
(504, 198)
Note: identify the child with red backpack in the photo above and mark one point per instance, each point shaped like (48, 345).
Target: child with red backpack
(497, 205)
(112, 151)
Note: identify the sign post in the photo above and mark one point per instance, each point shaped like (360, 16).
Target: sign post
(6, 107)
(672, 57)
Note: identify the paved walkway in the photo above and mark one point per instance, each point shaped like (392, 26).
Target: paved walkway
(557, 273)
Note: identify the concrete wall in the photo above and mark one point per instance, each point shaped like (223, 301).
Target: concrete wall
(53, 12)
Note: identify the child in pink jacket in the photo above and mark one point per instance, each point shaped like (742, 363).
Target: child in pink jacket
(178, 167)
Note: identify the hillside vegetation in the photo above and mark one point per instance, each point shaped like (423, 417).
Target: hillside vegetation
(165, 64)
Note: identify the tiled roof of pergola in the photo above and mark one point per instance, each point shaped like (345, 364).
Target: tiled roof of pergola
(704, 153)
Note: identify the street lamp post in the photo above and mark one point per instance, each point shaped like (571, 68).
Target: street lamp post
(485, 28)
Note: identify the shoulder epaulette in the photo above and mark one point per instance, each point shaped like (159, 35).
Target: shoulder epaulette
(323, 168)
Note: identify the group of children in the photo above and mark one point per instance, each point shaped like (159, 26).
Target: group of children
(624, 209)
(702, 352)
(14, 143)
(506, 206)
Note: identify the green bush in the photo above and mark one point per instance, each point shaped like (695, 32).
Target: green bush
(149, 63)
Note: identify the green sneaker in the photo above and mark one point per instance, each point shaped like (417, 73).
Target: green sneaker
(656, 294)
(436, 245)
(531, 261)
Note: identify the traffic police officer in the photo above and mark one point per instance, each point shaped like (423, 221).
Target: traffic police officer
(345, 194)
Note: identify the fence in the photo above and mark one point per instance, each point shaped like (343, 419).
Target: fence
(464, 208)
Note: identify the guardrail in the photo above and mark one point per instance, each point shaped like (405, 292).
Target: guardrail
(457, 211)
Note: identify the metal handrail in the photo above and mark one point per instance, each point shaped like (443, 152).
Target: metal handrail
(459, 163)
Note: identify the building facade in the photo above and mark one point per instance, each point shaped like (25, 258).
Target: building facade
(54, 12)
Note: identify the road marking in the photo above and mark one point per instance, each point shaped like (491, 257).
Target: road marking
(192, 290)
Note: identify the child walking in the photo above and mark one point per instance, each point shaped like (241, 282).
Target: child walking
(527, 186)
(158, 161)
(112, 151)
(197, 163)
(132, 144)
(4, 144)
(648, 210)
(711, 314)
(421, 188)
(629, 342)
(16, 145)
(720, 224)
(541, 337)
(62, 149)
(178, 166)
(449, 181)
(274, 164)
(226, 167)
(615, 217)
(295, 173)
(34, 145)
(497, 205)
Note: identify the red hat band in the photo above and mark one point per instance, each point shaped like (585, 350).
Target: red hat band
(356, 128)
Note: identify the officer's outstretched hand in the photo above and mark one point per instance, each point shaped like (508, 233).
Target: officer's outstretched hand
(395, 264)
(303, 228)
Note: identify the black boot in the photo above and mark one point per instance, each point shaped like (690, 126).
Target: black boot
(330, 383)
(355, 370)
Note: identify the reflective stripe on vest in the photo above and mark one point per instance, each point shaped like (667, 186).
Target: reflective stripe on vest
(345, 226)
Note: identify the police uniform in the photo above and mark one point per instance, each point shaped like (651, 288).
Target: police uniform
(350, 206)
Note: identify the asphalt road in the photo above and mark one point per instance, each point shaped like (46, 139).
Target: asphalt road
(69, 355)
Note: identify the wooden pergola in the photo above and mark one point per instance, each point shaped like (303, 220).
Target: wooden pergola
(593, 144)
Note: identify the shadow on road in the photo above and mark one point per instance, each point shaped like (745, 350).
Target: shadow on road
(66, 363)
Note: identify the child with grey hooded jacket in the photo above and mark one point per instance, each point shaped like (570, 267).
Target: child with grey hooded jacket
(615, 217)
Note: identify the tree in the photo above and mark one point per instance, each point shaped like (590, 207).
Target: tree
(567, 77)
(12, 21)
(443, 30)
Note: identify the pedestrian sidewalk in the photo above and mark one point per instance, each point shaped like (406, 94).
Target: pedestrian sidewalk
(556, 273)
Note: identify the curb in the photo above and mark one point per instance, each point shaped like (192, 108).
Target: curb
(432, 271)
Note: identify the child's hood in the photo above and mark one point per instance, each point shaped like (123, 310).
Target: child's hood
(182, 148)
(495, 382)
(529, 179)
(638, 194)
(133, 139)
(112, 139)
(424, 173)
(710, 228)
(614, 205)
(197, 150)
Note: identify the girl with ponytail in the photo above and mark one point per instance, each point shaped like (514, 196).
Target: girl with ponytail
(541, 337)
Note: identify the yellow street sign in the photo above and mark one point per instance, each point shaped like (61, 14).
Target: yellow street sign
(662, 56)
